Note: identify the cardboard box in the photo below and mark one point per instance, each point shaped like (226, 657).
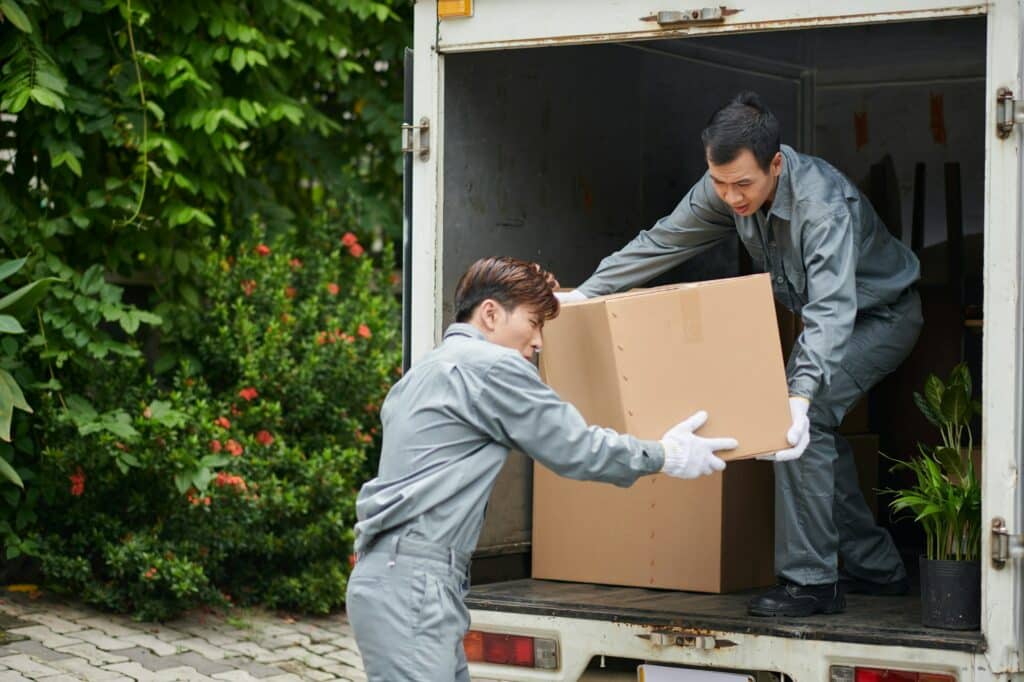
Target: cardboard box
(641, 362)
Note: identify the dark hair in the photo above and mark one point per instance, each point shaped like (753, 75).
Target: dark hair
(509, 281)
(743, 123)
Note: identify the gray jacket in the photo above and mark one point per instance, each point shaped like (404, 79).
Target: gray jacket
(448, 426)
(828, 253)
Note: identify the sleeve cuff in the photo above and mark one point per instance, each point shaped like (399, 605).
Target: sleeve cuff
(803, 387)
(654, 453)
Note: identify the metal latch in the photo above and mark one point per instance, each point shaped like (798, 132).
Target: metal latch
(1005, 545)
(416, 138)
(704, 15)
(689, 641)
(1008, 112)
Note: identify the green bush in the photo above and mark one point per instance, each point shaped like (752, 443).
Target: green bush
(235, 481)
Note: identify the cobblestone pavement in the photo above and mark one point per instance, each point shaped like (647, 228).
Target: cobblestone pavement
(53, 640)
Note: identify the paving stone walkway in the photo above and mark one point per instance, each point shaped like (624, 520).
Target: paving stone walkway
(54, 640)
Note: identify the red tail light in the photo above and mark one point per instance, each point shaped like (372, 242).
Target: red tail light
(516, 650)
(842, 673)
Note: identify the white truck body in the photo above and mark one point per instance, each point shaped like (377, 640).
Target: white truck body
(456, 59)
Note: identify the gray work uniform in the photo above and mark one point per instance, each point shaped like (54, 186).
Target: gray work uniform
(831, 260)
(448, 427)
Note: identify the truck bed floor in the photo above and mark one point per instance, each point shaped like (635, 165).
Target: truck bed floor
(890, 621)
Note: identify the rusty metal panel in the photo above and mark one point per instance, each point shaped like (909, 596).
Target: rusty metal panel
(497, 24)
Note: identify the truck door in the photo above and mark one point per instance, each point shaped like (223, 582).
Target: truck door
(1002, 578)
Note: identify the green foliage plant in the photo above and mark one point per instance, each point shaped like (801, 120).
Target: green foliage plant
(945, 497)
(232, 478)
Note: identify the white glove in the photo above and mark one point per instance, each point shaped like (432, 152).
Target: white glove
(799, 434)
(690, 456)
(570, 296)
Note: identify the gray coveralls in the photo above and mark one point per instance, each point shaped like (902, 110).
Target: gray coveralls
(448, 427)
(832, 261)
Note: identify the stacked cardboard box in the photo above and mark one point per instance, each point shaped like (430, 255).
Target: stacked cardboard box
(641, 362)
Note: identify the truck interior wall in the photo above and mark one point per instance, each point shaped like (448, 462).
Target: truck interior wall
(561, 154)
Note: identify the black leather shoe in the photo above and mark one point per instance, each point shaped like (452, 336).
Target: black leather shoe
(850, 585)
(798, 600)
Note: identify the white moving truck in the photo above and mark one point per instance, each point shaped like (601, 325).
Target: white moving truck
(554, 130)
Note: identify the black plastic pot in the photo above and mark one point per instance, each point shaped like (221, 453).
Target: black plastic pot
(951, 594)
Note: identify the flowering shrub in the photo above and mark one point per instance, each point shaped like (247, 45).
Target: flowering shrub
(232, 477)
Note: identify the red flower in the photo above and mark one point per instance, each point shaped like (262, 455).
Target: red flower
(225, 479)
(248, 286)
(77, 482)
(235, 411)
(234, 447)
(352, 560)
(323, 338)
(222, 422)
(265, 437)
(394, 278)
(364, 331)
(295, 263)
(248, 393)
(215, 445)
(290, 292)
(333, 289)
(150, 574)
(356, 250)
(263, 250)
(349, 240)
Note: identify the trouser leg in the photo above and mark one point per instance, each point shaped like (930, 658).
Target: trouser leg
(819, 509)
(408, 623)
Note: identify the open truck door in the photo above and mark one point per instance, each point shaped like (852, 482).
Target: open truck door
(1003, 355)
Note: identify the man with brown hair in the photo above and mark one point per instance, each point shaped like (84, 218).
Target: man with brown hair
(448, 426)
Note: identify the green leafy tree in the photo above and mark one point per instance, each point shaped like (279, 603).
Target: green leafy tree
(131, 130)
(135, 139)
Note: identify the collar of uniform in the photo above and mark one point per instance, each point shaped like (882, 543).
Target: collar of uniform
(463, 329)
(782, 205)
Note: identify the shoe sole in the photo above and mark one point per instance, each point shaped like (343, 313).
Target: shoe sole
(798, 613)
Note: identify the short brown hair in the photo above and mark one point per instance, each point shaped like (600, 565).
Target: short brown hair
(509, 281)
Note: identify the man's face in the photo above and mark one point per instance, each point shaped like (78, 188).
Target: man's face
(519, 330)
(743, 184)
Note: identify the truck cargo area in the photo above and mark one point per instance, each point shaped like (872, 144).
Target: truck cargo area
(892, 621)
(561, 154)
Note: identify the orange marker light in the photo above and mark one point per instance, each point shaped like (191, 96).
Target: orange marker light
(447, 9)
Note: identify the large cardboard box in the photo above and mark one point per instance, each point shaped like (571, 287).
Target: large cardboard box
(639, 363)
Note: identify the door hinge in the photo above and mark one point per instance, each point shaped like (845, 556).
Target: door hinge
(416, 138)
(1005, 545)
(1009, 111)
(704, 15)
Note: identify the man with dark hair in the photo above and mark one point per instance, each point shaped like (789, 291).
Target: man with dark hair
(448, 426)
(832, 261)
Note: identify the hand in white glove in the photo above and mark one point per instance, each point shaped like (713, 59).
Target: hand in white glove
(799, 434)
(690, 456)
(570, 296)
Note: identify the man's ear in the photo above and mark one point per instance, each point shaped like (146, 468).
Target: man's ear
(488, 312)
(776, 165)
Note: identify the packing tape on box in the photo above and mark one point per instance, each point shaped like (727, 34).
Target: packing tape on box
(691, 317)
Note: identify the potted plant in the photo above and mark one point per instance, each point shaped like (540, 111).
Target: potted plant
(946, 500)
